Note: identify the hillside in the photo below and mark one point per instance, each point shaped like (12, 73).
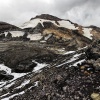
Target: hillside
(49, 58)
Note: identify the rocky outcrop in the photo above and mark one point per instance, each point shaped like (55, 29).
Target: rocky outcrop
(95, 96)
(24, 66)
(92, 63)
(64, 36)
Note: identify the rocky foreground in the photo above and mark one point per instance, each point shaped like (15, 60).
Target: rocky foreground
(68, 76)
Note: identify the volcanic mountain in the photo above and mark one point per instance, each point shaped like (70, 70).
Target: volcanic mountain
(49, 58)
(49, 29)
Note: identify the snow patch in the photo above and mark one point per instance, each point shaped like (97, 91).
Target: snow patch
(15, 33)
(13, 95)
(47, 37)
(36, 83)
(69, 52)
(35, 36)
(67, 24)
(75, 57)
(24, 83)
(9, 85)
(42, 41)
(72, 59)
(79, 62)
(18, 75)
(5, 68)
(39, 66)
(33, 23)
(87, 33)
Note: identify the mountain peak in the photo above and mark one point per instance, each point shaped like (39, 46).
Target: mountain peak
(47, 17)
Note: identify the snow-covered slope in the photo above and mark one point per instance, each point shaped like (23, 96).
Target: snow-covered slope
(24, 80)
(21, 33)
(87, 33)
(33, 23)
(33, 26)
(59, 23)
(14, 33)
(18, 75)
(35, 36)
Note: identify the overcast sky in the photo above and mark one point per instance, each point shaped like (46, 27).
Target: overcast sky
(84, 12)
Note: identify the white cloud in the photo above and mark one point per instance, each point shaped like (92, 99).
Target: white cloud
(85, 12)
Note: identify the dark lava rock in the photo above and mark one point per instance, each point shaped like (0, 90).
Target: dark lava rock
(19, 57)
(45, 58)
(9, 35)
(2, 36)
(62, 84)
(48, 24)
(92, 63)
(5, 76)
(25, 66)
(2, 72)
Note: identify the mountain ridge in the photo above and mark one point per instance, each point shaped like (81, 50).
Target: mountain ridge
(49, 29)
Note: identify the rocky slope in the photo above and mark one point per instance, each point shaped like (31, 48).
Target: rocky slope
(49, 58)
(72, 76)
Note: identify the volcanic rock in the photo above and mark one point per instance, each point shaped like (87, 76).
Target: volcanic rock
(4, 76)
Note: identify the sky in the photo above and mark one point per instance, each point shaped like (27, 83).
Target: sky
(84, 12)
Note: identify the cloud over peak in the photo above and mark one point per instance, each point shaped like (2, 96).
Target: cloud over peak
(85, 12)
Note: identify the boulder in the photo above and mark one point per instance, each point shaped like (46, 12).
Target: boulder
(95, 96)
(24, 66)
(5, 76)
